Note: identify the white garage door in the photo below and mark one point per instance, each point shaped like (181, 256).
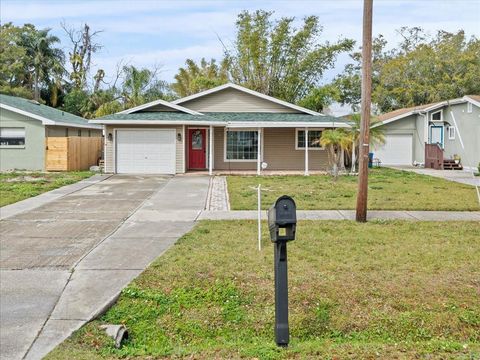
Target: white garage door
(397, 150)
(145, 151)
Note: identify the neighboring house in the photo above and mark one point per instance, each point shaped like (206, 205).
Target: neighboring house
(24, 127)
(225, 128)
(450, 124)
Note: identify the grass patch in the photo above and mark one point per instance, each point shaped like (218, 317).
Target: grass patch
(376, 290)
(389, 189)
(16, 186)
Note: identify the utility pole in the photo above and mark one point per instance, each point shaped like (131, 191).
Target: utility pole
(361, 214)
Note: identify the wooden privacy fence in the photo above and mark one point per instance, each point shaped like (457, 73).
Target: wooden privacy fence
(72, 153)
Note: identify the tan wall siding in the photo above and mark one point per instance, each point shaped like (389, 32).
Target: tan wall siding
(109, 146)
(61, 131)
(279, 153)
(231, 100)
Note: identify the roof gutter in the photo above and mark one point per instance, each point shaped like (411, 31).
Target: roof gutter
(282, 124)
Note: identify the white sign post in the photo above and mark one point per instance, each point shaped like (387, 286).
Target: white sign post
(259, 203)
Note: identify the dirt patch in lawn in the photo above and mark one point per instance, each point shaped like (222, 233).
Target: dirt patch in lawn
(16, 186)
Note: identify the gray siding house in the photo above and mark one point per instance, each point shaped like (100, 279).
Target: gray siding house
(24, 126)
(453, 124)
(227, 128)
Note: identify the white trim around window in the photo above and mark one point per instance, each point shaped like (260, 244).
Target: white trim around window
(451, 133)
(259, 133)
(436, 112)
(297, 130)
(12, 137)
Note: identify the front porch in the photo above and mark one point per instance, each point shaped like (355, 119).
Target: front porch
(216, 150)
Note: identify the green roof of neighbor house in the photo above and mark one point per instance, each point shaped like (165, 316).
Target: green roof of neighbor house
(223, 118)
(47, 114)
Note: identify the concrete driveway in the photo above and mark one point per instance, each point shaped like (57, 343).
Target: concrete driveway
(64, 262)
(462, 177)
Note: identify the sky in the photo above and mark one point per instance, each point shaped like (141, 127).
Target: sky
(166, 33)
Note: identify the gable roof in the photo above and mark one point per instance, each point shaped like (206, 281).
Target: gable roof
(474, 99)
(404, 112)
(46, 114)
(171, 106)
(230, 119)
(247, 91)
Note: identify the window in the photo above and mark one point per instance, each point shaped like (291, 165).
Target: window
(79, 132)
(437, 116)
(197, 140)
(451, 133)
(12, 136)
(241, 145)
(313, 139)
(469, 107)
(66, 132)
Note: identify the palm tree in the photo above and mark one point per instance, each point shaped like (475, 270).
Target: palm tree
(46, 61)
(136, 81)
(377, 136)
(335, 141)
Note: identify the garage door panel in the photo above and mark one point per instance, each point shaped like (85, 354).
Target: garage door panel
(397, 150)
(145, 151)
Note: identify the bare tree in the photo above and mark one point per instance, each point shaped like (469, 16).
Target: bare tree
(80, 56)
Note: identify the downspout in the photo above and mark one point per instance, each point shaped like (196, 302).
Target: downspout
(105, 148)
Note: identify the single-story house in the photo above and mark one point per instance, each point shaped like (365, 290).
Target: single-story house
(454, 125)
(25, 126)
(227, 128)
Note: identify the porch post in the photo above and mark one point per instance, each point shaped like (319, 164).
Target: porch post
(306, 152)
(259, 142)
(210, 151)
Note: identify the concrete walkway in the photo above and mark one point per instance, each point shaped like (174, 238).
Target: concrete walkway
(350, 215)
(45, 198)
(65, 262)
(462, 177)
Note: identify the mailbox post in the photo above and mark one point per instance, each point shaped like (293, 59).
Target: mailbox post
(282, 220)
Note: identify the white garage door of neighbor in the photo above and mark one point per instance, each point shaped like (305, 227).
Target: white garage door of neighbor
(145, 151)
(397, 150)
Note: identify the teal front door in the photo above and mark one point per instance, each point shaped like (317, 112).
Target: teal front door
(436, 135)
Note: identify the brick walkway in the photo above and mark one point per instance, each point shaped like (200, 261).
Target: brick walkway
(218, 197)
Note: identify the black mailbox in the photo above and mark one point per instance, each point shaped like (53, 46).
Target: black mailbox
(282, 222)
(282, 219)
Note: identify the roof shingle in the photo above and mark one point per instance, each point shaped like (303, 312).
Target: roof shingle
(43, 111)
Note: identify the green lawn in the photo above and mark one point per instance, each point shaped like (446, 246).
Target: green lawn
(16, 186)
(378, 290)
(388, 190)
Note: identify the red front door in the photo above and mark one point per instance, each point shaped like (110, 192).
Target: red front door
(196, 149)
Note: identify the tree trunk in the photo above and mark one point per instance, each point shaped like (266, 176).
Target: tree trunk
(336, 158)
(35, 84)
(354, 158)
